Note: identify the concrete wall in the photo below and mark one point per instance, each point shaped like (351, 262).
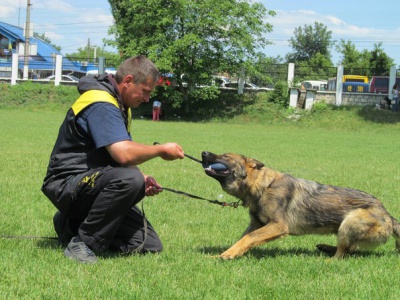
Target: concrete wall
(299, 99)
(350, 98)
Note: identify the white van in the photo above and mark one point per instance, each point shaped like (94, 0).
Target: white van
(319, 85)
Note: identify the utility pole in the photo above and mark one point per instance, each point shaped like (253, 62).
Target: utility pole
(27, 31)
(19, 11)
(88, 50)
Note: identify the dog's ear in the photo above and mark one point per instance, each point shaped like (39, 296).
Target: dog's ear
(254, 163)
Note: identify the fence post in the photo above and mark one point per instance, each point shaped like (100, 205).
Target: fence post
(339, 85)
(102, 65)
(241, 82)
(14, 68)
(58, 73)
(294, 96)
(290, 77)
(310, 98)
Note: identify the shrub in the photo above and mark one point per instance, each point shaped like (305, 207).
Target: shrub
(280, 94)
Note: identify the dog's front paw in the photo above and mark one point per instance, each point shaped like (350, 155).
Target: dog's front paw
(227, 255)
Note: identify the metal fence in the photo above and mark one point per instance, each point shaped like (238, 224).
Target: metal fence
(40, 67)
(267, 76)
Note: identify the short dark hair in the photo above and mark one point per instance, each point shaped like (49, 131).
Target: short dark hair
(140, 67)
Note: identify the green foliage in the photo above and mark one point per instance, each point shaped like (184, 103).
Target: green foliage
(34, 95)
(195, 38)
(317, 67)
(311, 45)
(380, 61)
(321, 106)
(375, 62)
(228, 106)
(310, 40)
(112, 59)
(280, 94)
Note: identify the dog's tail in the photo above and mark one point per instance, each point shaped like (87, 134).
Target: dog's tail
(396, 233)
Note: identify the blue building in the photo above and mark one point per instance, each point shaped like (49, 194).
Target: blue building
(41, 62)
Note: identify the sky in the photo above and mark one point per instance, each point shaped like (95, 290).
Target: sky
(73, 24)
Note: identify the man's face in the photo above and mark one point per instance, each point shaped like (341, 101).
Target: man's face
(135, 94)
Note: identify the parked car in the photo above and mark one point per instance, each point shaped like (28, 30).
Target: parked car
(220, 81)
(247, 86)
(319, 85)
(216, 80)
(380, 84)
(67, 78)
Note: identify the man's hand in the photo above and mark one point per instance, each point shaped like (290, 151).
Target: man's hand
(132, 153)
(152, 188)
(172, 151)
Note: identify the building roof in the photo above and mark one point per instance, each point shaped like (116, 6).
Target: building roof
(16, 34)
(45, 51)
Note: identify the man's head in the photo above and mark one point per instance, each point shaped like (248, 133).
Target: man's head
(136, 79)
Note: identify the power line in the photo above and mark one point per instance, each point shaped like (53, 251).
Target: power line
(67, 24)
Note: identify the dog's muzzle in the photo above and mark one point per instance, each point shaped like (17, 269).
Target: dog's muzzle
(213, 166)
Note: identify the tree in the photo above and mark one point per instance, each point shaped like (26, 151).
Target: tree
(375, 62)
(351, 57)
(380, 62)
(308, 41)
(318, 67)
(84, 54)
(195, 38)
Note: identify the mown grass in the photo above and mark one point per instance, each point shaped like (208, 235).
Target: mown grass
(350, 150)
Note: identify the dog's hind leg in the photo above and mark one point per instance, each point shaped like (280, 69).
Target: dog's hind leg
(365, 228)
(396, 233)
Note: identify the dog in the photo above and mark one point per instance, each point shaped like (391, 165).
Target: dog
(281, 205)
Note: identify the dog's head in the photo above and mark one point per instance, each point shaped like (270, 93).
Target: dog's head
(231, 170)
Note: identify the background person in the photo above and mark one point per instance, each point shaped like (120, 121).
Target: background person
(93, 177)
(395, 93)
(156, 110)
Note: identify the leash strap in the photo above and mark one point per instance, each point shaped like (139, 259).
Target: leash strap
(136, 250)
(27, 237)
(139, 248)
(222, 203)
(187, 155)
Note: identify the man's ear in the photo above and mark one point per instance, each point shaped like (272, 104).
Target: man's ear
(128, 79)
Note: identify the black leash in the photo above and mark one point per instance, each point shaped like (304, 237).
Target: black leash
(136, 250)
(28, 237)
(187, 155)
(222, 203)
(233, 204)
(140, 247)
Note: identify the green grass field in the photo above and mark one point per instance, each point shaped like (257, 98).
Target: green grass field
(194, 231)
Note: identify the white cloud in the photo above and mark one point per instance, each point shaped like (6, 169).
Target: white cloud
(8, 7)
(54, 5)
(335, 20)
(285, 22)
(54, 37)
(103, 19)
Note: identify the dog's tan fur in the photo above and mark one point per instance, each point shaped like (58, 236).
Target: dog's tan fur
(282, 205)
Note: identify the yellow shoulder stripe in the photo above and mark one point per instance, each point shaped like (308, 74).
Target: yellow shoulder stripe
(93, 96)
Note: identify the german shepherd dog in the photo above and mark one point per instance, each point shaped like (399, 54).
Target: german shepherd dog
(282, 205)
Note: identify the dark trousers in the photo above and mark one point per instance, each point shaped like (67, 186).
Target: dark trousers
(104, 215)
